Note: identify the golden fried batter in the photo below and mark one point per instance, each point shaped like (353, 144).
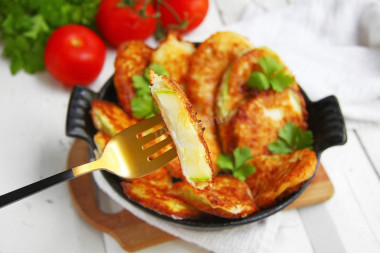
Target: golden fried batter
(159, 201)
(174, 55)
(131, 59)
(101, 140)
(159, 179)
(256, 123)
(207, 66)
(233, 89)
(109, 118)
(185, 130)
(277, 174)
(228, 197)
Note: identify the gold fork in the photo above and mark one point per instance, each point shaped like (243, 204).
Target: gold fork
(124, 155)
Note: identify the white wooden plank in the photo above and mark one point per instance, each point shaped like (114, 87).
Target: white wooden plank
(231, 11)
(47, 222)
(34, 146)
(292, 236)
(355, 205)
(270, 4)
(370, 139)
(168, 247)
(211, 24)
(317, 221)
(111, 246)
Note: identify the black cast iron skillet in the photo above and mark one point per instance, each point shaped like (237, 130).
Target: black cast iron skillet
(325, 121)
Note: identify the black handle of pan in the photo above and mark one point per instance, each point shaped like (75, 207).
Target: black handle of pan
(78, 120)
(327, 123)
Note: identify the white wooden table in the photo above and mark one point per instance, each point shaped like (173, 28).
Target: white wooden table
(33, 145)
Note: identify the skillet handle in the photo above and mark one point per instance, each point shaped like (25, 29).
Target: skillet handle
(78, 120)
(330, 129)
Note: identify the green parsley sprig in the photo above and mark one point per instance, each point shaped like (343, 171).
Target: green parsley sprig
(143, 105)
(273, 77)
(237, 163)
(291, 138)
(26, 25)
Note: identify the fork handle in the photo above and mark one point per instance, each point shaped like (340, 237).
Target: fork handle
(30, 189)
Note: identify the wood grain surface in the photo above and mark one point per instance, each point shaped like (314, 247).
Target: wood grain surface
(133, 233)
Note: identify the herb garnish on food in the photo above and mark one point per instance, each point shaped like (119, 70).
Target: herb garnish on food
(237, 163)
(291, 138)
(273, 75)
(142, 104)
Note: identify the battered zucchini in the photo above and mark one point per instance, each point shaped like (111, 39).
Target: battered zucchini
(159, 201)
(280, 175)
(228, 197)
(109, 118)
(185, 130)
(258, 120)
(174, 55)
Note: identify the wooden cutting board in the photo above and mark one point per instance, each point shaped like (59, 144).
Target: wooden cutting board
(133, 233)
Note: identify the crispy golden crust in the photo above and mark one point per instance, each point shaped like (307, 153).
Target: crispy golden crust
(174, 55)
(208, 65)
(173, 85)
(159, 201)
(234, 90)
(109, 118)
(101, 140)
(159, 179)
(228, 197)
(174, 168)
(279, 174)
(257, 122)
(131, 59)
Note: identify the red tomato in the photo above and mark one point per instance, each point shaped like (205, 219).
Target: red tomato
(119, 24)
(74, 54)
(194, 10)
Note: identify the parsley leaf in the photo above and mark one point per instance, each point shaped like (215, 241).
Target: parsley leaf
(259, 81)
(270, 65)
(141, 85)
(280, 81)
(26, 25)
(157, 68)
(244, 171)
(237, 163)
(291, 138)
(273, 76)
(241, 155)
(225, 162)
(143, 105)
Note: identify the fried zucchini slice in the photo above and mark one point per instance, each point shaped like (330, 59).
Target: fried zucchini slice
(184, 128)
(159, 201)
(174, 55)
(233, 89)
(159, 179)
(101, 140)
(207, 66)
(279, 174)
(256, 123)
(228, 197)
(132, 58)
(109, 118)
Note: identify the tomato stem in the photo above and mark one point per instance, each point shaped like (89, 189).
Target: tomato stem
(160, 32)
(142, 12)
(181, 24)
